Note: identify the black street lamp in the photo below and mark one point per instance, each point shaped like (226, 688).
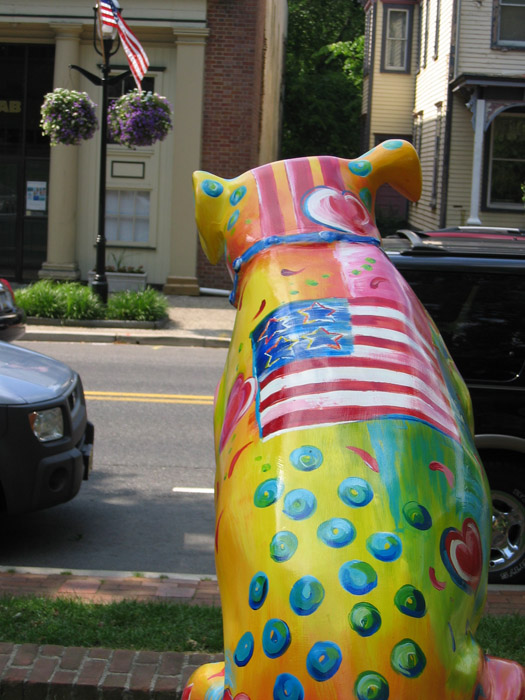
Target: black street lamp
(106, 35)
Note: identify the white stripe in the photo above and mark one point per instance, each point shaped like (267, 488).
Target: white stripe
(353, 399)
(326, 375)
(388, 334)
(387, 312)
(189, 489)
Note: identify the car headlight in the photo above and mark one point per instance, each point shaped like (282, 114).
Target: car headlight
(47, 424)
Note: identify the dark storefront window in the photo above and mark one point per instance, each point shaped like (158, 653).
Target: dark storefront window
(27, 74)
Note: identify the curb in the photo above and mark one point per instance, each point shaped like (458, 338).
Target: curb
(53, 672)
(114, 336)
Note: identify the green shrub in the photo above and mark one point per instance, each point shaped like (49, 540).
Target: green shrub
(148, 305)
(49, 299)
(74, 301)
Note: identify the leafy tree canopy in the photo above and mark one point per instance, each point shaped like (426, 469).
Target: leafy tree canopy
(323, 78)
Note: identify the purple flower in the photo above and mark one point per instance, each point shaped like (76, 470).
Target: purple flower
(139, 119)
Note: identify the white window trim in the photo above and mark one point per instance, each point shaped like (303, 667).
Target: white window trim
(405, 67)
(508, 42)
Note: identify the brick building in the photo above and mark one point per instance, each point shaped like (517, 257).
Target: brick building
(219, 63)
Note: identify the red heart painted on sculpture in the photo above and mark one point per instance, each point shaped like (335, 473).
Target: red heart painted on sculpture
(341, 211)
(240, 398)
(462, 554)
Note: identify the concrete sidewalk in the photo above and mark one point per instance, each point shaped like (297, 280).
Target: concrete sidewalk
(205, 321)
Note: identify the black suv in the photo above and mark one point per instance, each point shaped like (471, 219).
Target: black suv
(472, 282)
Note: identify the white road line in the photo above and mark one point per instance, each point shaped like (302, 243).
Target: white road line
(189, 489)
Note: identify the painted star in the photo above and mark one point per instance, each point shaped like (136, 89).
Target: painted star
(273, 326)
(280, 350)
(322, 338)
(317, 312)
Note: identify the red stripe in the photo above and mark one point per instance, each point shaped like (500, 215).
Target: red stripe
(398, 346)
(329, 362)
(313, 390)
(270, 211)
(343, 414)
(300, 180)
(332, 172)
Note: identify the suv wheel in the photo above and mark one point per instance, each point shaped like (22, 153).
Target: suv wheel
(507, 553)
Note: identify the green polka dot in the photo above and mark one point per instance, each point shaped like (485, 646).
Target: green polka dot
(408, 659)
(371, 686)
(294, 291)
(312, 283)
(266, 467)
(366, 197)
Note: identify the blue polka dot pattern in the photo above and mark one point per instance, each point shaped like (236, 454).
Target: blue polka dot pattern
(408, 659)
(371, 686)
(275, 638)
(365, 619)
(360, 167)
(306, 595)
(323, 660)
(355, 492)
(299, 504)
(336, 532)
(306, 458)
(244, 650)
(392, 145)
(212, 188)
(237, 195)
(268, 492)
(357, 577)
(233, 220)
(258, 590)
(283, 546)
(287, 687)
(417, 515)
(384, 546)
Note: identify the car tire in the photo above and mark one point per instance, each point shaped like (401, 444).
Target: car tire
(506, 475)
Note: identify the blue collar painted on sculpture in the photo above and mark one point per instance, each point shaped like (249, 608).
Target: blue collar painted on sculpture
(298, 238)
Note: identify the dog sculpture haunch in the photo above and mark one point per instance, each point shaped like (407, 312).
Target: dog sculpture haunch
(352, 511)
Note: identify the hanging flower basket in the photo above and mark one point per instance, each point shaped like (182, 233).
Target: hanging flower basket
(68, 117)
(139, 119)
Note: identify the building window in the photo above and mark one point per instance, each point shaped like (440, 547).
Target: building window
(127, 216)
(507, 161)
(509, 24)
(425, 36)
(397, 36)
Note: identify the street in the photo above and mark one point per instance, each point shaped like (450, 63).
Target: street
(152, 410)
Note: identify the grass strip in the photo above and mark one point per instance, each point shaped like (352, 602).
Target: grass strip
(125, 624)
(158, 626)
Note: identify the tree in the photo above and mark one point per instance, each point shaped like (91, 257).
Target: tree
(323, 78)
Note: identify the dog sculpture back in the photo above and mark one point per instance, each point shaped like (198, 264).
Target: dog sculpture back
(352, 511)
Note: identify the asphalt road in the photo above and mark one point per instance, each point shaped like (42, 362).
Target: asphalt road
(152, 411)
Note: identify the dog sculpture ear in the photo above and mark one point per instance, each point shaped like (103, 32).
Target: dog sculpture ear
(211, 199)
(393, 162)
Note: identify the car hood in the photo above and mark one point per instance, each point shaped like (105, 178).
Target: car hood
(29, 377)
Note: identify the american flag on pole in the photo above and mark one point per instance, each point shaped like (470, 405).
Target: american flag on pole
(340, 360)
(111, 16)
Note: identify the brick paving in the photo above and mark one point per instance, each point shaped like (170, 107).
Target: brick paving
(54, 672)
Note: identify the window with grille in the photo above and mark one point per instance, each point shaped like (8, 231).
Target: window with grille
(128, 216)
(510, 24)
(397, 31)
(507, 161)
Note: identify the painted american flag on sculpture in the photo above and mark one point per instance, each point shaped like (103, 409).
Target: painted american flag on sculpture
(337, 360)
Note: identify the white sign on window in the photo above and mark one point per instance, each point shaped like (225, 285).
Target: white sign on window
(36, 195)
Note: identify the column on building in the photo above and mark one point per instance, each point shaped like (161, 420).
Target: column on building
(477, 162)
(187, 132)
(63, 170)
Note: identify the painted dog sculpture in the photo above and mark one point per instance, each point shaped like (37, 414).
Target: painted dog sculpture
(352, 511)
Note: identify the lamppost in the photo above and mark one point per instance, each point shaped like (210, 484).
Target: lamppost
(106, 36)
